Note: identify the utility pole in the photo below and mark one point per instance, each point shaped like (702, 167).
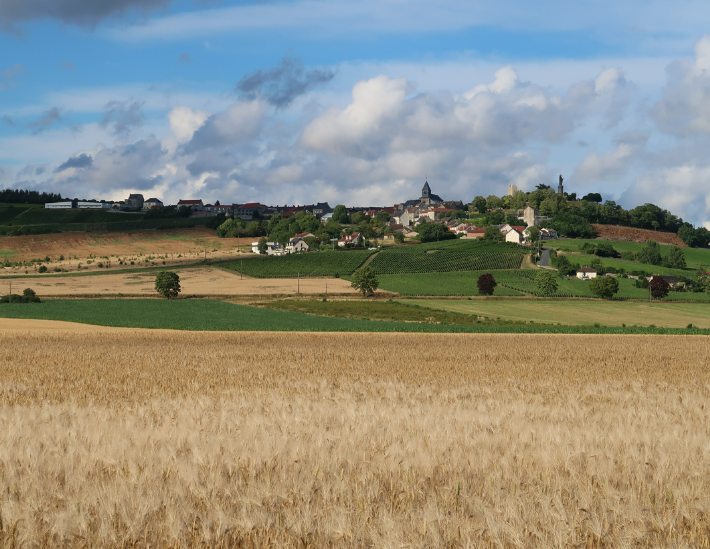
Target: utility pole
(299, 281)
(326, 291)
(10, 298)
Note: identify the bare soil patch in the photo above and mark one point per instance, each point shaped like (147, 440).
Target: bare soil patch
(117, 250)
(200, 281)
(616, 232)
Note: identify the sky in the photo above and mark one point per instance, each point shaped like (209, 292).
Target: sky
(302, 101)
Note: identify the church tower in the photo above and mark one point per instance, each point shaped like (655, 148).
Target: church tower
(426, 191)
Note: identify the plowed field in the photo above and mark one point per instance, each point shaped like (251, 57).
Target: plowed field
(616, 232)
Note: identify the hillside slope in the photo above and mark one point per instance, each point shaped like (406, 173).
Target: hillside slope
(616, 232)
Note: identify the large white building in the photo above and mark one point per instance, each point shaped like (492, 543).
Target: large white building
(76, 204)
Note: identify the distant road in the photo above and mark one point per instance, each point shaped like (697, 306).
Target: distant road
(545, 259)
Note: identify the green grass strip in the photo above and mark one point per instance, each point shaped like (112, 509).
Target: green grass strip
(212, 315)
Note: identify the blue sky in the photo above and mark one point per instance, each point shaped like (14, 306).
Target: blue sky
(355, 102)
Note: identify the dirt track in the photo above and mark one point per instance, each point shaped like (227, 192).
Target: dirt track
(207, 281)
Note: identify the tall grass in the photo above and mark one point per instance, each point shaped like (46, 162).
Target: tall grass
(132, 438)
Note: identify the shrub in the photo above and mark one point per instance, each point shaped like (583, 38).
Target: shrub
(42, 268)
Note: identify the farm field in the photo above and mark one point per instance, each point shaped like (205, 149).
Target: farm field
(324, 263)
(121, 437)
(444, 284)
(201, 281)
(523, 280)
(448, 256)
(214, 315)
(579, 312)
(173, 246)
(641, 235)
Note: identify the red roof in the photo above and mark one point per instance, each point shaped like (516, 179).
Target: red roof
(188, 202)
(480, 230)
(301, 235)
(251, 205)
(348, 238)
(519, 228)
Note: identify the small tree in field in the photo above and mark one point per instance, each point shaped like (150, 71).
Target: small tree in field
(659, 287)
(604, 286)
(167, 284)
(263, 247)
(365, 280)
(546, 282)
(486, 284)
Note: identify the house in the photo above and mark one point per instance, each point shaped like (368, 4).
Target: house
(326, 217)
(433, 213)
(586, 273)
(531, 217)
(349, 240)
(409, 217)
(249, 211)
(272, 248)
(515, 236)
(388, 236)
(475, 233)
(194, 205)
(548, 234)
(303, 235)
(297, 245)
(152, 203)
(134, 202)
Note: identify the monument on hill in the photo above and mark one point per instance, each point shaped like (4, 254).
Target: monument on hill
(560, 187)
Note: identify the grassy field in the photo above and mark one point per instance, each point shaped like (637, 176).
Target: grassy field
(213, 315)
(443, 284)
(308, 264)
(122, 438)
(694, 257)
(580, 313)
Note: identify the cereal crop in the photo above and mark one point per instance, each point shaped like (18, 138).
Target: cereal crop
(132, 438)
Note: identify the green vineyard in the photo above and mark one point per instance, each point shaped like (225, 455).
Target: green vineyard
(442, 257)
(308, 264)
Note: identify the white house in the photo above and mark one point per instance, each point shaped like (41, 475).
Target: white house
(272, 248)
(194, 205)
(152, 203)
(349, 240)
(515, 236)
(586, 273)
(297, 245)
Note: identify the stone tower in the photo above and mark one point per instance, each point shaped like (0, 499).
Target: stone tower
(426, 191)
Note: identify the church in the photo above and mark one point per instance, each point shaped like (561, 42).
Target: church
(428, 199)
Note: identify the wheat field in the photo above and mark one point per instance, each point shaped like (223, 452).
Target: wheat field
(120, 437)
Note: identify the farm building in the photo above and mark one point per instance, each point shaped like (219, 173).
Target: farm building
(74, 204)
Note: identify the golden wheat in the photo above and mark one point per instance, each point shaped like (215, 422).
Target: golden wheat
(130, 437)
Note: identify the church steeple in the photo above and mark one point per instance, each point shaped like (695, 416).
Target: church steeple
(426, 190)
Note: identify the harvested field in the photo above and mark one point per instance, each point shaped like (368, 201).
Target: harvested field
(617, 232)
(203, 281)
(175, 247)
(137, 438)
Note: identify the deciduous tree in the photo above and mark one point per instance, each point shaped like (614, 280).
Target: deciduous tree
(167, 284)
(486, 284)
(605, 287)
(546, 282)
(659, 287)
(365, 280)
